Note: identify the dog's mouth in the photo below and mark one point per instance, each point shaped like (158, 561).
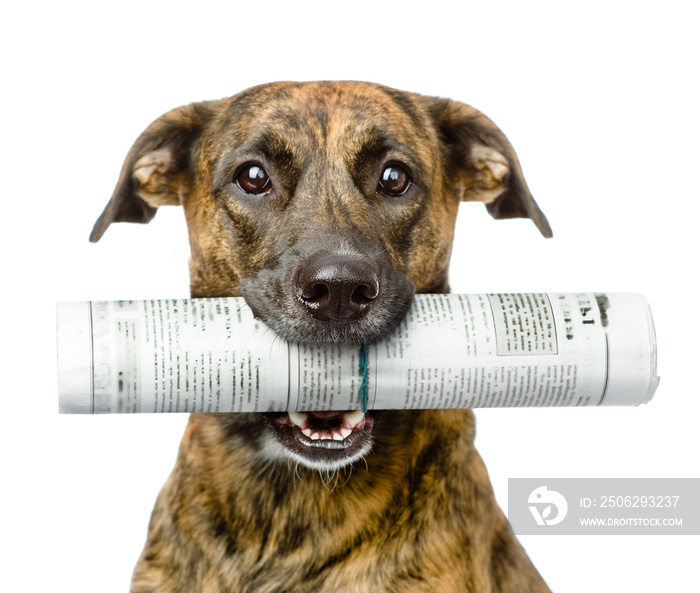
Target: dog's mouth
(324, 440)
(344, 294)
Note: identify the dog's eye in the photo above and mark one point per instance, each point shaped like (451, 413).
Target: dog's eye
(394, 181)
(253, 179)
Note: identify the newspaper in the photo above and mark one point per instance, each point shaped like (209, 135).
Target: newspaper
(451, 351)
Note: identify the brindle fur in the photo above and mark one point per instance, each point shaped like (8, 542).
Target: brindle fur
(418, 514)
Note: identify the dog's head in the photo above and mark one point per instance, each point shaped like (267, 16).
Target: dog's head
(326, 206)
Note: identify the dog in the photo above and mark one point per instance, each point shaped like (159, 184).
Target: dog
(326, 205)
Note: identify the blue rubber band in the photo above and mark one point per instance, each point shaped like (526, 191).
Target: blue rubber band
(364, 373)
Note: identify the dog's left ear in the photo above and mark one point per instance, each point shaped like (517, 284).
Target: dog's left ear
(157, 171)
(481, 163)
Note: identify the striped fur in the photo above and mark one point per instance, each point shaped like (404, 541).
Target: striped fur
(409, 507)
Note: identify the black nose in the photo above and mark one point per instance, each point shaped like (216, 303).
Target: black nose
(337, 288)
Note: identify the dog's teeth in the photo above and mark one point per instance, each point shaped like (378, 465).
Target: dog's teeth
(345, 433)
(315, 436)
(306, 432)
(297, 418)
(338, 436)
(354, 418)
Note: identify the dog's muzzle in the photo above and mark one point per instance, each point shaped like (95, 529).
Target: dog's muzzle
(339, 296)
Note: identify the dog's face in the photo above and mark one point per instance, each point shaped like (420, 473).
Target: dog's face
(326, 206)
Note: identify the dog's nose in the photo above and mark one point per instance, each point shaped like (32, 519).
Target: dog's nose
(337, 288)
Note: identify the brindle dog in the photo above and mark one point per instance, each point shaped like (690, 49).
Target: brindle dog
(326, 205)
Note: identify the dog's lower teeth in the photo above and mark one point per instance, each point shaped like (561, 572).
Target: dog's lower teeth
(336, 435)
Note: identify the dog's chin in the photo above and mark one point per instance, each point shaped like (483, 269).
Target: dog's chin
(323, 441)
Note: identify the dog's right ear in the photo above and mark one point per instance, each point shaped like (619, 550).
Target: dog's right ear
(157, 170)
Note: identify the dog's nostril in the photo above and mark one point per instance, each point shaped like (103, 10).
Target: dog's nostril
(337, 288)
(365, 294)
(315, 294)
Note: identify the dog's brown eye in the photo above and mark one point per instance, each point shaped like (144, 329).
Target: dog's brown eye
(394, 181)
(253, 179)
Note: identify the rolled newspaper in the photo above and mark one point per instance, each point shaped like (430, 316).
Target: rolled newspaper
(451, 351)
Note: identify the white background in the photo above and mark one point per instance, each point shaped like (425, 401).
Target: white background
(600, 99)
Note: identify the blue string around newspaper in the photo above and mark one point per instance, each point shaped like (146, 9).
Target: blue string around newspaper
(364, 373)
